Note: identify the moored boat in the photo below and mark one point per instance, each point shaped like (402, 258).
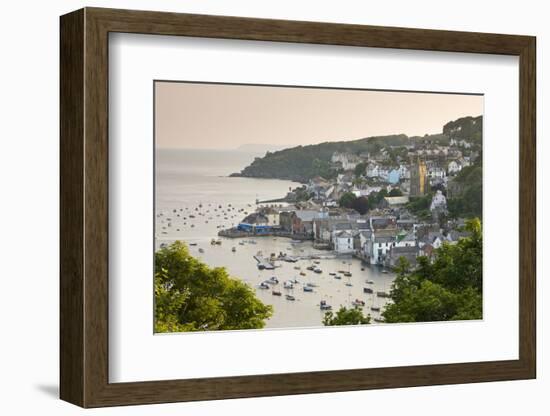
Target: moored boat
(324, 306)
(358, 303)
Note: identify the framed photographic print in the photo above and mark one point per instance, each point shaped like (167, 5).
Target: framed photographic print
(255, 207)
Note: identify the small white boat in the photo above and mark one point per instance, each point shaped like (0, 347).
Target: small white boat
(324, 306)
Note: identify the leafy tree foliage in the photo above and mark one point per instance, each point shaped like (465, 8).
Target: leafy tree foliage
(465, 128)
(420, 205)
(395, 192)
(190, 296)
(449, 288)
(361, 205)
(347, 200)
(345, 316)
(360, 169)
(302, 194)
(469, 202)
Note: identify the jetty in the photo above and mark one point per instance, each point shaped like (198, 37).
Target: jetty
(236, 233)
(264, 264)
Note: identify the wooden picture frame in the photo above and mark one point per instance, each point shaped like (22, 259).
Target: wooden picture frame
(84, 207)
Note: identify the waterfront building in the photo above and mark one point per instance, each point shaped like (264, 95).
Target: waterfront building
(377, 248)
(343, 242)
(302, 220)
(408, 253)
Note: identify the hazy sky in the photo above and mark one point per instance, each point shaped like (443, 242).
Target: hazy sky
(214, 116)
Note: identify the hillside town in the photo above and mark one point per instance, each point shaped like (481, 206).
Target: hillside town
(396, 201)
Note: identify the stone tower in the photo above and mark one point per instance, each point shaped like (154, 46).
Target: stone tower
(419, 178)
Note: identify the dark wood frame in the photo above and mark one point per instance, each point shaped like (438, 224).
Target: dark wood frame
(84, 207)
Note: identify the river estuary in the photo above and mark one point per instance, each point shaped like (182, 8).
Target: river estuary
(195, 183)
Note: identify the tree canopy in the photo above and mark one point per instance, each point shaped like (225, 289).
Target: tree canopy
(449, 288)
(360, 169)
(190, 296)
(469, 202)
(345, 316)
(347, 200)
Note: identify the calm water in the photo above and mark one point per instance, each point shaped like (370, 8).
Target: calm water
(187, 179)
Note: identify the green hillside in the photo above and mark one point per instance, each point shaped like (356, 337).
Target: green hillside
(301, 163)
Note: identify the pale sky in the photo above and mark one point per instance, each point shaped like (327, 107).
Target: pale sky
(218, 116)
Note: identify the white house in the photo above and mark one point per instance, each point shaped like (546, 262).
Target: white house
(365, 190)
(379, 245)
(439, 202)
(454, 167)
(404, 172)
(463, 143)
(343, 242)
(436, 172)
(372, 170)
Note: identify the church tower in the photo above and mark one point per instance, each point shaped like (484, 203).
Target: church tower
(419, 178)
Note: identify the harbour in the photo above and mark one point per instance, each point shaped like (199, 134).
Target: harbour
(193, 205)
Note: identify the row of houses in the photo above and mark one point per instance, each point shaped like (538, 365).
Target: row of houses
(381, 240)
